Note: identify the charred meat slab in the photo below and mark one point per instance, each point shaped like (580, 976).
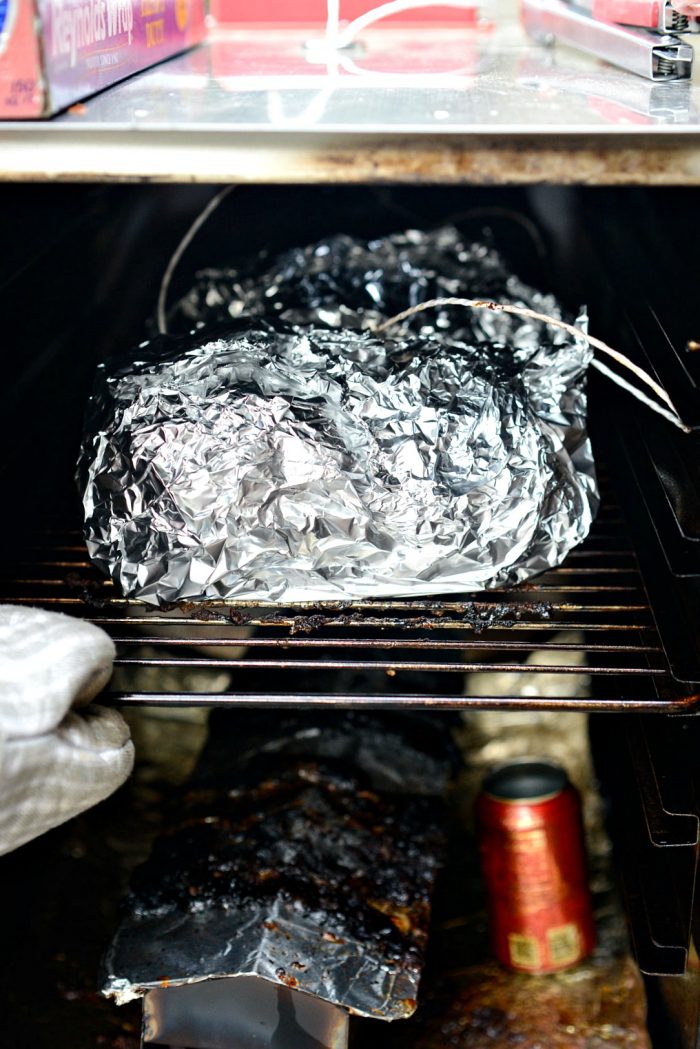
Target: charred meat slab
(304, 873)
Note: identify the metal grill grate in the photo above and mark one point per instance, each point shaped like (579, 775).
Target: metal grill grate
(589, 617)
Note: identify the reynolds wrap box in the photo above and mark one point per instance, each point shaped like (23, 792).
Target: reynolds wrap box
(55, 52)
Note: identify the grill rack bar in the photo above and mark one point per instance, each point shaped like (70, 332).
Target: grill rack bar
(383, 701)
(379, 644)
(587, 621)
(378, 665)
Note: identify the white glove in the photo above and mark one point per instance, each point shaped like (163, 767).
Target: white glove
(54, 761)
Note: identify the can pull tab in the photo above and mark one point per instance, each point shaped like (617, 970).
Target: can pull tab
(666, 408)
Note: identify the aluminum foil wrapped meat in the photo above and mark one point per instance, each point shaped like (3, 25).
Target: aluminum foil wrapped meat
(283, 462)
(345, 282)
(305, 874)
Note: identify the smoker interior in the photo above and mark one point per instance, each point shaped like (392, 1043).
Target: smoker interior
(593, 609)
(79, 274)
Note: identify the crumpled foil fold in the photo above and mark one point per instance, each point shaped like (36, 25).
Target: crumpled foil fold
(306, 873)
(299, 457)
(204, 907)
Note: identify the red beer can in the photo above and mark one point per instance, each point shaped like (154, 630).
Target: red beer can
(534, 865)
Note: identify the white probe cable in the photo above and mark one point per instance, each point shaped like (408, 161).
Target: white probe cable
(337, 38)
(394, 7)
(180, 251)
(332, 22)
(671, 412)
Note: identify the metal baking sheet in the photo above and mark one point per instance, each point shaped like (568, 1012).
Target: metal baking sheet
(487, 78)
(476, 104)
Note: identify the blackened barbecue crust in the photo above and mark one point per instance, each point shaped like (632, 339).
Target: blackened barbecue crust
(303, 875)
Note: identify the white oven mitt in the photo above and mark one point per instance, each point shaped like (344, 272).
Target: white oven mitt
(55, 761)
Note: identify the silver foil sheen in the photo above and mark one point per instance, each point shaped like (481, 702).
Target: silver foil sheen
(299, 457)
(229, 944)
(291, 855)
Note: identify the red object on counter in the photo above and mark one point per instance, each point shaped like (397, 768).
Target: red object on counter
(314, 12)
(53, 53)
(645, 13)
(21, 92)
(533, 859)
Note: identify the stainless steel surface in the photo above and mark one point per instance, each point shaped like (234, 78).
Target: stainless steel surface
(376, 653)
(410, 105)
(641, 51)
(638, 101)
(455, 81)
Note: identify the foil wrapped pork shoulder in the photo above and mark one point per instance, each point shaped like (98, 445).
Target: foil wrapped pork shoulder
(288, 460)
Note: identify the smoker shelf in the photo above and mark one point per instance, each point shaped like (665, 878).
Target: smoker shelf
(579, 637)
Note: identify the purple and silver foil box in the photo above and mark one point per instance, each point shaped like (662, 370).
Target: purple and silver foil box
(67, 50)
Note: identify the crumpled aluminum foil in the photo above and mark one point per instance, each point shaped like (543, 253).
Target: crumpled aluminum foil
(343, 282)
(197, 915)
(288, 463)
(284, 875)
